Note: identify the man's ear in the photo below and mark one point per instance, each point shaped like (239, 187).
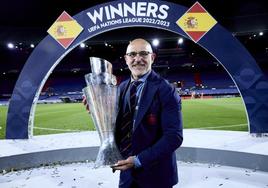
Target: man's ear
(125, 56)
(153, 56)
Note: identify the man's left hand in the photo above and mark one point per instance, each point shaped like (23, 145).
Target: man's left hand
(124, 164)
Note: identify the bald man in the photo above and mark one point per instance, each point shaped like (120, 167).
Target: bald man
(148, 125)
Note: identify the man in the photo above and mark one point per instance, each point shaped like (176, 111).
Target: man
(147, 134)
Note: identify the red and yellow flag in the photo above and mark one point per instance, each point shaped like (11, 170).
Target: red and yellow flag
(196, 22)
(65, 30)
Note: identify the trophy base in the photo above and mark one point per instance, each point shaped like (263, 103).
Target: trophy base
(108, 155)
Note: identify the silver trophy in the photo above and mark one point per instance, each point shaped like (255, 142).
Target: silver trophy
(102, 98)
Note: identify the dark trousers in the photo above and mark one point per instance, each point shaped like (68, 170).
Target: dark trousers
(126, 181)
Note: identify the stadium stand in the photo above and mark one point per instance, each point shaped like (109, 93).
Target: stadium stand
(67, 87)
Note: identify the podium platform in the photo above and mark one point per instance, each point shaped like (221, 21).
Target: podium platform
(206, 159)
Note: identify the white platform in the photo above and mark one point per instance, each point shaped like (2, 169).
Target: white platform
(223, 140)
(81, 175)
(191, 175)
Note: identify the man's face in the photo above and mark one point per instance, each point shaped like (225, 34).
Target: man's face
(139, 58)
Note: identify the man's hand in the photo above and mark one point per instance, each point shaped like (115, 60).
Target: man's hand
(124, 164)
(84, 101)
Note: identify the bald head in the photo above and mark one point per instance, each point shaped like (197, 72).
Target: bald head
(139, 45)
(139, 57)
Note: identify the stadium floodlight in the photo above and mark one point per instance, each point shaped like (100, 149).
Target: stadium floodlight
(261, 33)
(155, 42)
(32, 45)
(180, 40)
(82, 45)
(10, 45)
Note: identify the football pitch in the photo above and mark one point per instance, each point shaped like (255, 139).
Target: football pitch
(214, 114)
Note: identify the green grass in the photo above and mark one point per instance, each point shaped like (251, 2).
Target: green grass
(72, 116)
(223, 113)
(3, 117)
(216, 114)
(68, 117)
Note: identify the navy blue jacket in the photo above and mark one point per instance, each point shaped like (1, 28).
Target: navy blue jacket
(157, 133)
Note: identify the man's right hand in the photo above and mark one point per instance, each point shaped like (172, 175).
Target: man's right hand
(84, 101)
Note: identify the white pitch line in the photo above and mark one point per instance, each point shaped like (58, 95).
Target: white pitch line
(63, 130)
(237, 125)
(70, 130)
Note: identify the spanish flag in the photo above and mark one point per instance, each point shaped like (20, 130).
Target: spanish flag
(196, 22)
(65, 30)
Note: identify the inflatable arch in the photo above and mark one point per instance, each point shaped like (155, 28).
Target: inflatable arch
(249, 79)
